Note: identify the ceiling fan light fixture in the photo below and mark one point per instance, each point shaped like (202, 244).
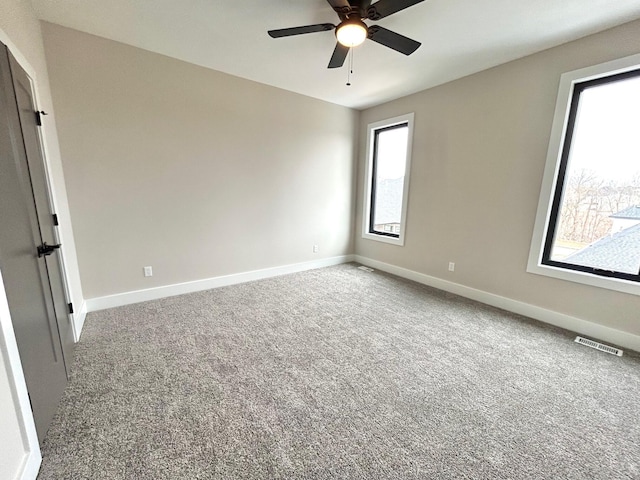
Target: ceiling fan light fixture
(351, 33)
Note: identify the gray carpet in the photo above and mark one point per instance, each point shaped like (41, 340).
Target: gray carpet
(340, 373)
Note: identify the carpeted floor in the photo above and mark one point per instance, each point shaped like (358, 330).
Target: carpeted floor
(340, 374)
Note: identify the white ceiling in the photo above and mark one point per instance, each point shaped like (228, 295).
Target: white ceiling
(459, 37)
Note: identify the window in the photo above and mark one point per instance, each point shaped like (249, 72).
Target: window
(588, 225)
(387, 179)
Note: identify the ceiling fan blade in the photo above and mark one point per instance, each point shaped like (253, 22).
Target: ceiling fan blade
(287, 32)
(393, 40)
(339, 56)
(384, 8)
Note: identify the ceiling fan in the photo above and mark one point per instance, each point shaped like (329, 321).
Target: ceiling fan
(352, 31)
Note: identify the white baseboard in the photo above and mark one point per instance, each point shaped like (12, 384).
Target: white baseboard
(78, 320)
(127, 298)
(31, 466)
(584, 327)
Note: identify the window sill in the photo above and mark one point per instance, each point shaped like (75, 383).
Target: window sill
(616, 284)
(384, 239)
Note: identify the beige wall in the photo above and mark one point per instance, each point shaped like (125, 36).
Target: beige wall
(479, 152)
(193, 172)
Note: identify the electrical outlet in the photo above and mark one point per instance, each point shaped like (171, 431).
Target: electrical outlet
(148, 272)
(315, 249)
(452, 266)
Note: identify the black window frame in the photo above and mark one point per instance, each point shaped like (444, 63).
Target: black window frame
(553, 223)
(374, 166)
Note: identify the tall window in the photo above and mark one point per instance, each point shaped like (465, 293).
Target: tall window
(593, 225)
(389, 147)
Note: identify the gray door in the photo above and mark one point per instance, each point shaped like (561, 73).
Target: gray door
(29, 126)
(33, 282)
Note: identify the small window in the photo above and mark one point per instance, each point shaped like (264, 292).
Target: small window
(389, 153)
(592, 230)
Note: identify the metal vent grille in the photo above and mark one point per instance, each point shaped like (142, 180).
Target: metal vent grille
(599, 346)
(366, 269)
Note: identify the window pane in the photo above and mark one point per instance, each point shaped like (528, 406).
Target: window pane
(598, 221)
(389, 165)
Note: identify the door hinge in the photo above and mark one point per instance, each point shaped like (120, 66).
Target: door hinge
(39, 115)
(55, 219)
(70, 307)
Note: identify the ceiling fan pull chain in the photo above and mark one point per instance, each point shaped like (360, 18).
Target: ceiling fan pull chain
(351, 61)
